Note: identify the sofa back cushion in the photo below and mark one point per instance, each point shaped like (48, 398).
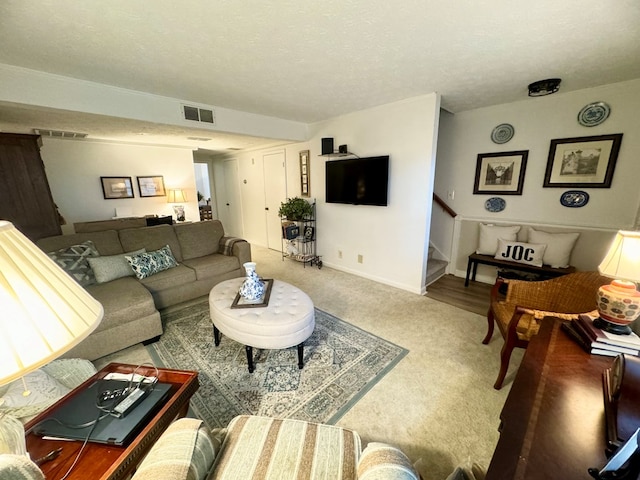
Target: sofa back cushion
(151, 238)
(199, 239)
(106, 242)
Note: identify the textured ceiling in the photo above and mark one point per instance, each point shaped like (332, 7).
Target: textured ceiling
(310, 60)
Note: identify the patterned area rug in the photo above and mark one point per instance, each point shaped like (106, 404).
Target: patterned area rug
(342, 363)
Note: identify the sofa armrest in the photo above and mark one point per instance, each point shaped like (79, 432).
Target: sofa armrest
(19, 467)
(236, 247)
(380, 461)
(185, 451)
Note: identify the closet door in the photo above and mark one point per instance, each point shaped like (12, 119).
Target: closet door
(25, 197)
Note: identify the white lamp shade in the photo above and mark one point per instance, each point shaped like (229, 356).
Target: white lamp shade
(43, 311)
(622, 261)
(176, 195)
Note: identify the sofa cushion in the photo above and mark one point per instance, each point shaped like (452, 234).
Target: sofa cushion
(151, 238)
(185, 451)
(199, 239)
(380, 461)
(73, 260)
(149, 263)
(269, 448)
(489, 235)
(559, 246)
(170, 278)
(110, 267)
(213, 265)
(123, 299)
(106, 242)
(520, 252)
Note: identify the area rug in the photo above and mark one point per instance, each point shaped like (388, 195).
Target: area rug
(342, 362)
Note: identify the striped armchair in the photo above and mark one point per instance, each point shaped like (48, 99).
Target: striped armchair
(254, 447)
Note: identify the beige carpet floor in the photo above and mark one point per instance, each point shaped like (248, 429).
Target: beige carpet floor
(438, 404)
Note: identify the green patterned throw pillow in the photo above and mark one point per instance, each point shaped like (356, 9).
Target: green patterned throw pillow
(73, 260)
(146, 264)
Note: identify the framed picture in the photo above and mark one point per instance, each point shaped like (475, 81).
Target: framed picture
(152, 186)
(501, 173)
(582, 161)
(308, 232)
(116, 187)
(305, 172)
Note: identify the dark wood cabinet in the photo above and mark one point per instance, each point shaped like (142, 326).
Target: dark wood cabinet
(552, 424)
(25, 197)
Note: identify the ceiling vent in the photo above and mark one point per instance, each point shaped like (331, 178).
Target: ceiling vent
(58, 133)
(199, 139)
(197, 114)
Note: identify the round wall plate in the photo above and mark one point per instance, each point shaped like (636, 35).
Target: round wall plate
(593, 114)
(574, 198)
(502, 133)
(495, 204)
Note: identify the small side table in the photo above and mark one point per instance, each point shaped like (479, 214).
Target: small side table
(109, 462)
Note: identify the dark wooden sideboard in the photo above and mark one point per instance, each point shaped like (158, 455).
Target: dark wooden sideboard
(552, 423)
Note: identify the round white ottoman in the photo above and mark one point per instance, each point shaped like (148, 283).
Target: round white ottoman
(287, 321)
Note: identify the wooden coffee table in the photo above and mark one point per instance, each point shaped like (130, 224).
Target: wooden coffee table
(107, 461)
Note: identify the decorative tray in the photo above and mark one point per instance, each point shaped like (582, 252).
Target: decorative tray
(241, 302)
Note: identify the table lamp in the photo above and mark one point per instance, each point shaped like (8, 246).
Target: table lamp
(44, 311)
(176, 195)
(619, 302)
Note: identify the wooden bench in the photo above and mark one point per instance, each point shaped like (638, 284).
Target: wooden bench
(545, 270)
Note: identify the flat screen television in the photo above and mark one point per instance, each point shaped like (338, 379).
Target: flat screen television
(358, 181)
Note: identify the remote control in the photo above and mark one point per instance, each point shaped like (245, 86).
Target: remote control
(126, 405)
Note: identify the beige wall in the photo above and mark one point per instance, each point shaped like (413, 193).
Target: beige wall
(537, 121)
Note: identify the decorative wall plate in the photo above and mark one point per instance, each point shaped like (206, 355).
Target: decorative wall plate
(502, 133)
(495, 204)
(574, 198)
(593, 114)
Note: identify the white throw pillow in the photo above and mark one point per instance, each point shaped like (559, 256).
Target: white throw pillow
(559, 246)
(520, 252)
(43, 387)
(489, 235)
(111, 267)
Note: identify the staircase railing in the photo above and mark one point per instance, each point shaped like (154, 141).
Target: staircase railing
(444, 206)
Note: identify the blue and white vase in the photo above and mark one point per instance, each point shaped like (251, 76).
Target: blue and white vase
(252, 288)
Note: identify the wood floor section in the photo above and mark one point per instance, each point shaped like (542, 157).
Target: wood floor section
(451, 290)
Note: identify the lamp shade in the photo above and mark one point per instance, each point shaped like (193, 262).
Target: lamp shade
(176, 195)
(622, 261)
(44, 312)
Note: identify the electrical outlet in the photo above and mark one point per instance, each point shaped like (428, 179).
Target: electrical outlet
(359, 258)
(451, 194)
(339, 253)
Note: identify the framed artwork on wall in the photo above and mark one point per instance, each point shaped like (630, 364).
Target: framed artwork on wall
(116, 187)
(151, 186)
(500, 173)
(305, 172)
(582, 162)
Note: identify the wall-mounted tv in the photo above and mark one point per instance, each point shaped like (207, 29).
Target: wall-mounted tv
(357, 181)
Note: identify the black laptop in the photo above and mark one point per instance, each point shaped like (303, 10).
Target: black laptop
(74, 419)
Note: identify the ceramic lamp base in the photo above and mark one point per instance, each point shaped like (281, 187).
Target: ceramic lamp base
(614, 328)
(618, 306)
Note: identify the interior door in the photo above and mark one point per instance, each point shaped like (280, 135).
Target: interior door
(230, 211)
(275, 192)
(25, 197)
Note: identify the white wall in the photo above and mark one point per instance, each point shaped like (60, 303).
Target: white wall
(537, 121)
(74, 168)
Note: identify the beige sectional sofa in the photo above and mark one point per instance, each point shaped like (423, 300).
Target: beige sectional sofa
(205, 257)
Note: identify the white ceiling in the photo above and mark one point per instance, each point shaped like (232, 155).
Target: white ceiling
(308, 60)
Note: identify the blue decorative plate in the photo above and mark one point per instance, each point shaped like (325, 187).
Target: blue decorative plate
(502, 133)
(574, 198)
(495, 204)
(593, 114)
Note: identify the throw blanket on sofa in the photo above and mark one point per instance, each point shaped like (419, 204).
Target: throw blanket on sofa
(227, 243)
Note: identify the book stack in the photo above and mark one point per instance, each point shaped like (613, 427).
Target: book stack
(601, 342)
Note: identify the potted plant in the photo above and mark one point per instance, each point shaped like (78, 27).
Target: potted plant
(295, 209)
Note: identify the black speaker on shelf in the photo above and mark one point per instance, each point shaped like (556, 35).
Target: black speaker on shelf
(342, 149)
(327, 146)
